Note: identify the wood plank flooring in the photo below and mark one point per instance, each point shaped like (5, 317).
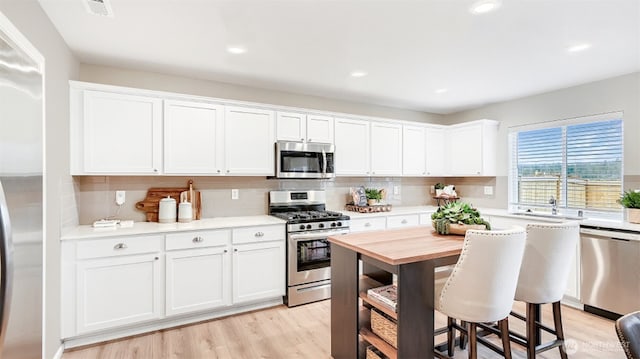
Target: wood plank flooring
(304, 332)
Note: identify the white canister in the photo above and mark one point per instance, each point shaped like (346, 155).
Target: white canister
(167, 210)
(185, 212)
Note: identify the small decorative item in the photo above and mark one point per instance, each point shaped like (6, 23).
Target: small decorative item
(439, 187)
(457, 218)
(373, 196)
(630, 200)
(359, 196)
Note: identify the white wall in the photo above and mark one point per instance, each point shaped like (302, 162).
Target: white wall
(60, 66)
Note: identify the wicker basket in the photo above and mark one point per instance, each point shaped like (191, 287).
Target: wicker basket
(384, 327)
(373, 353)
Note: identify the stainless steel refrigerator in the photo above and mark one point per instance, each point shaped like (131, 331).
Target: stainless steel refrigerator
(21, 203)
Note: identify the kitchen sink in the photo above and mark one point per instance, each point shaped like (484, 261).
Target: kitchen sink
(558, 216)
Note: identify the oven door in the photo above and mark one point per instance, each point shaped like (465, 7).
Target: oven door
(309, 256)
(301, 160)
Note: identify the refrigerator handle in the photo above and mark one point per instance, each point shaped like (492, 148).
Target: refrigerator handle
(6, 265)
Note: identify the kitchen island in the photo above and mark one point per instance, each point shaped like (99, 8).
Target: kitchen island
(412, 254)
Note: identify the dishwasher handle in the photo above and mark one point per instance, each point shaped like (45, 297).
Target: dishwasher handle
(611, 235)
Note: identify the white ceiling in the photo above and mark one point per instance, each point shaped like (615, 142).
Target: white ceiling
(408, 48)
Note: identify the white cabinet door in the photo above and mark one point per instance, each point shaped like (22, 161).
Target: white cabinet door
(435, 140)
(573, 283)
(192, 137)
(258, 271)
(386, 149)
(464, 147)
(122, 134)
(319, 129)
(197, 279)
(413, 151)
(352, 147)
(291, 126)
(118, 291)
(249, 141)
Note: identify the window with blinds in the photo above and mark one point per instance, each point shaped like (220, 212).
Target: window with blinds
(576, 162)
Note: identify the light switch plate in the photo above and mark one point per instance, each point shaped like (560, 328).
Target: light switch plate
(432, 189)
(120, 197)
(488, 190)
(234, 194)
(396, 189)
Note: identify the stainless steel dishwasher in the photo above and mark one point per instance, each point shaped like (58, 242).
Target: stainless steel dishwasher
(610, 270)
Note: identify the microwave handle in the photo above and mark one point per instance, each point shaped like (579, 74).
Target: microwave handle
(324, 163)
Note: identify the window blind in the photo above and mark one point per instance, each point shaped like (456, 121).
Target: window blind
(578, 164)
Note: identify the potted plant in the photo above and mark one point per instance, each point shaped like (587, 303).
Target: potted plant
(456, 218)
(439, 187)
(630, 200)
(373, 196)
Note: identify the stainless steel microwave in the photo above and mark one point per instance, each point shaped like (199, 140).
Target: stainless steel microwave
(304, 160)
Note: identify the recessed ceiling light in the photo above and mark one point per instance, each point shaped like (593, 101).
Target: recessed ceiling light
(484, 6)
(579, 47)
(443, 90)
(358, 74)
(236, 50)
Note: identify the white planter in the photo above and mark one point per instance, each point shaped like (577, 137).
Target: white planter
(632, 215)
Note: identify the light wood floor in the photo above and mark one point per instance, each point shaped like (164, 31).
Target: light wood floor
(304, 332)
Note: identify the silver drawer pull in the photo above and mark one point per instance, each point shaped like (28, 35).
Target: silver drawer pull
(120, 246)
(198, 239)
(367, 224)
(404, 221)
(259, 234)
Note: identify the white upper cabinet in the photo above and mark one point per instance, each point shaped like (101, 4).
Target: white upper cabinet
(471, 147)
(320, 129)
(193, 138)
(121, 134)
(299, 127)
(352, 147)
(436, 159)
(386, 149)
(249, 141)
(414, 157)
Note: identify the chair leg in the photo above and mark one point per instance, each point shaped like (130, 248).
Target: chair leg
(463, 336)
(532, 331)
(473, 341)
(557, 321)
(450, 336)
(504, 335)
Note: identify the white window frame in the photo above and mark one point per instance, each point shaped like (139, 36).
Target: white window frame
(515, 207)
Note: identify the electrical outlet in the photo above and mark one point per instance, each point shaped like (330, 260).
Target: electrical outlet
(234, 194)
(488, 190)
(432, 189)
(396, 190)
(120, 197)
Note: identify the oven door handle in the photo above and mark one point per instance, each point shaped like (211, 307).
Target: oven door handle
(306, 236)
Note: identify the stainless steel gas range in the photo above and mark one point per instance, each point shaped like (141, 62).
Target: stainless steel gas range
(309, 225)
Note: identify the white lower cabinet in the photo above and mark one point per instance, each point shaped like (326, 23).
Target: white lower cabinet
(118, 291)
(258, 271)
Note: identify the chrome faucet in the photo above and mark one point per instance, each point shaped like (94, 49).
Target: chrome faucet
(554, 205)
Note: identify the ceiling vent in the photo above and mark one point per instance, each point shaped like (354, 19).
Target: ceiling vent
(98, 7)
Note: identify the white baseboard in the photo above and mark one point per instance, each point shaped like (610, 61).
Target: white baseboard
(59, 352)
(122, 332)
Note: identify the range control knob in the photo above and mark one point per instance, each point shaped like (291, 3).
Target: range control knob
(308, 226)
(302, 226)
(321, 225)
(333, 224)
(339, 224)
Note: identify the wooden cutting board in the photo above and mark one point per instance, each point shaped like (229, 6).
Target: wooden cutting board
(151, 203)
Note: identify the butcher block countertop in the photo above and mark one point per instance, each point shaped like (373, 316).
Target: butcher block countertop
(401, 246)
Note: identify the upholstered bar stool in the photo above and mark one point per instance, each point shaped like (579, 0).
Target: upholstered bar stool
(545, 269)
(628, 330)
(482, 285)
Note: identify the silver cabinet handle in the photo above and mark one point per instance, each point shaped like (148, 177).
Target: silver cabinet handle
(120, 246)
(367, 224)
(155, 170)
(218, 171)
(309, 140)
(156, 258)
(235, 249)
(404, 221)
(198, 239)
(227, 171)
(478, 172)
(302, 140)
(225, 251)
(259, 234)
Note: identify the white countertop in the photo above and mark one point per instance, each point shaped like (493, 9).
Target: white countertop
(141, 228)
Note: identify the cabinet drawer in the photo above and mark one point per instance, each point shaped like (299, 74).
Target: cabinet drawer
(258, 234)
(368, 224)
(425, 218)
(402, 221)
(202, 239)
(110, 247)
